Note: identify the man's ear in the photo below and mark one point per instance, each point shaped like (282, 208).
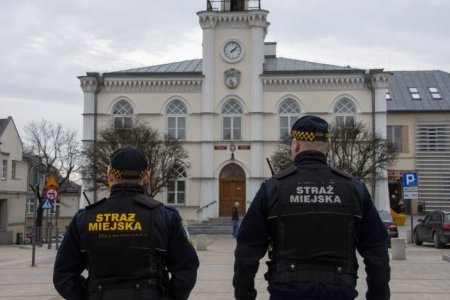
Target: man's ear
(146, 177)
(109, 175)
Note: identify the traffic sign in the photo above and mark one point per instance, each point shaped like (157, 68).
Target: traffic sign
(51, 182)
(410, 185)
(410, 179)
(51, 193)
(47, 204)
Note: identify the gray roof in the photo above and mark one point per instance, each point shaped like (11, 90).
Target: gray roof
(183, 67)
(272, 65)
(287, 65)
(3, 124)
(401, 81)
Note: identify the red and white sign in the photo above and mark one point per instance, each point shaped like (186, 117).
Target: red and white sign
(51, 194)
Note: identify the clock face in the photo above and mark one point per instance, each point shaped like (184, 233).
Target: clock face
(232, 50)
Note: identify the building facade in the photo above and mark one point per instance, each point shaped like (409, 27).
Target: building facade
(418, 122)
(232, 107)
(13, 182)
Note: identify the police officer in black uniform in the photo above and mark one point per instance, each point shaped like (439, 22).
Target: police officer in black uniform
(311, 218)
(132, 246)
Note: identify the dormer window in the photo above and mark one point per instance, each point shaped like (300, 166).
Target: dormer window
(414, 93)
(388, 95)
(434, 93)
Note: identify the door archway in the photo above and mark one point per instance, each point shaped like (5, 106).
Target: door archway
(231, 189)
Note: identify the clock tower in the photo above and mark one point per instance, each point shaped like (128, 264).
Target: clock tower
(233, 58)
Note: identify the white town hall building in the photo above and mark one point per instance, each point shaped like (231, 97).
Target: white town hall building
(231, 107)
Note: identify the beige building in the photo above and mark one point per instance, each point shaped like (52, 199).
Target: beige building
(231, 107)
(13, 182)
(17, 201)
(418, 122)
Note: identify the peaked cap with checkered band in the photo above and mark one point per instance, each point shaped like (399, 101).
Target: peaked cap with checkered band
(128, 163)
(310, 128)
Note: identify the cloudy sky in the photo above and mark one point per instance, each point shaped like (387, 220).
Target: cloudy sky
(46, 44)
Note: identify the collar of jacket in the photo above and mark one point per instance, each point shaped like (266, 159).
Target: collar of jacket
(306, 158)
(121, 188)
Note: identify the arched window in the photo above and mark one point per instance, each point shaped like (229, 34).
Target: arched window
(288, 113)
(232, 121)
(176, 119)
(176, 188)
(344, 112)
(122, 114)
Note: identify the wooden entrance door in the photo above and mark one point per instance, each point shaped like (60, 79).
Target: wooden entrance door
(231, 190)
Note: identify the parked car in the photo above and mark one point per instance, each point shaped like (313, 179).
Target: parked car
(60, 238)
(435, 228)
(389, 224)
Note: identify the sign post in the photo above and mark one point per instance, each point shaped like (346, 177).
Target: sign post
(410, 191)
(49, 197)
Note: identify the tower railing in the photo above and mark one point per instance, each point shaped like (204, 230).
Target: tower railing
(233, 5)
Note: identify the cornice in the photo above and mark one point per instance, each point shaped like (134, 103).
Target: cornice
(211, 19)
(153, 85)
(88, 83)
(313, 82)
(380, 80)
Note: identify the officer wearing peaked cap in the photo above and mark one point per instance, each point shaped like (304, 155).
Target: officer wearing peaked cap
(133, 246)
(312, 218)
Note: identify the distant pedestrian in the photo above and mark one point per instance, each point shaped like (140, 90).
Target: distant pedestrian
(235, 218)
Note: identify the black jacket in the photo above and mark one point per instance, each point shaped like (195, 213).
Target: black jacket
(255, 236)
(181, 259)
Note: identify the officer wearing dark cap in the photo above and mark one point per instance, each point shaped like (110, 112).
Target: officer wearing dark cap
(311, 218)
(132, 246)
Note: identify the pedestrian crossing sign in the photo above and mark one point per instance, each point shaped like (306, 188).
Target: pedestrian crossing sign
(47, 204)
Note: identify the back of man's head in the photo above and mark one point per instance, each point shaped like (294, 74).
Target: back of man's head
(312, 133)
(128, 163)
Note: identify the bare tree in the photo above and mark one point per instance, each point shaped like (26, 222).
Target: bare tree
(58, 149)
(164, 154)
(358, 150)
(354, 149)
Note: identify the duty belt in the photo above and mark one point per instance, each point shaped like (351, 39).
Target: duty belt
(149, 287)
(291, 272)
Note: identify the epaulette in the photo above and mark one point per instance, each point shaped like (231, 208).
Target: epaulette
(286, 172)
(341, 173)
(147, 201)
(95, 204)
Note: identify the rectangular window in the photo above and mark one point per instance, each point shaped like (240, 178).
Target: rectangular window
(232, 128)
(14, 170)
(434, 93)
(4, 170)
(55, 209)
(394, 135)
(388, 95)
(30, 205)
(176, 192)
(181, 128)
(415, 95)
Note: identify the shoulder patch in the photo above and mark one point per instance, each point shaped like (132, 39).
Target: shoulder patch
(95, 204)
(341, 173)
(286, 172)
(147, 201)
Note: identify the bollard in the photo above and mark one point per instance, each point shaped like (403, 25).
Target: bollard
(409, 236)
(201, 242)
(398, 249)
